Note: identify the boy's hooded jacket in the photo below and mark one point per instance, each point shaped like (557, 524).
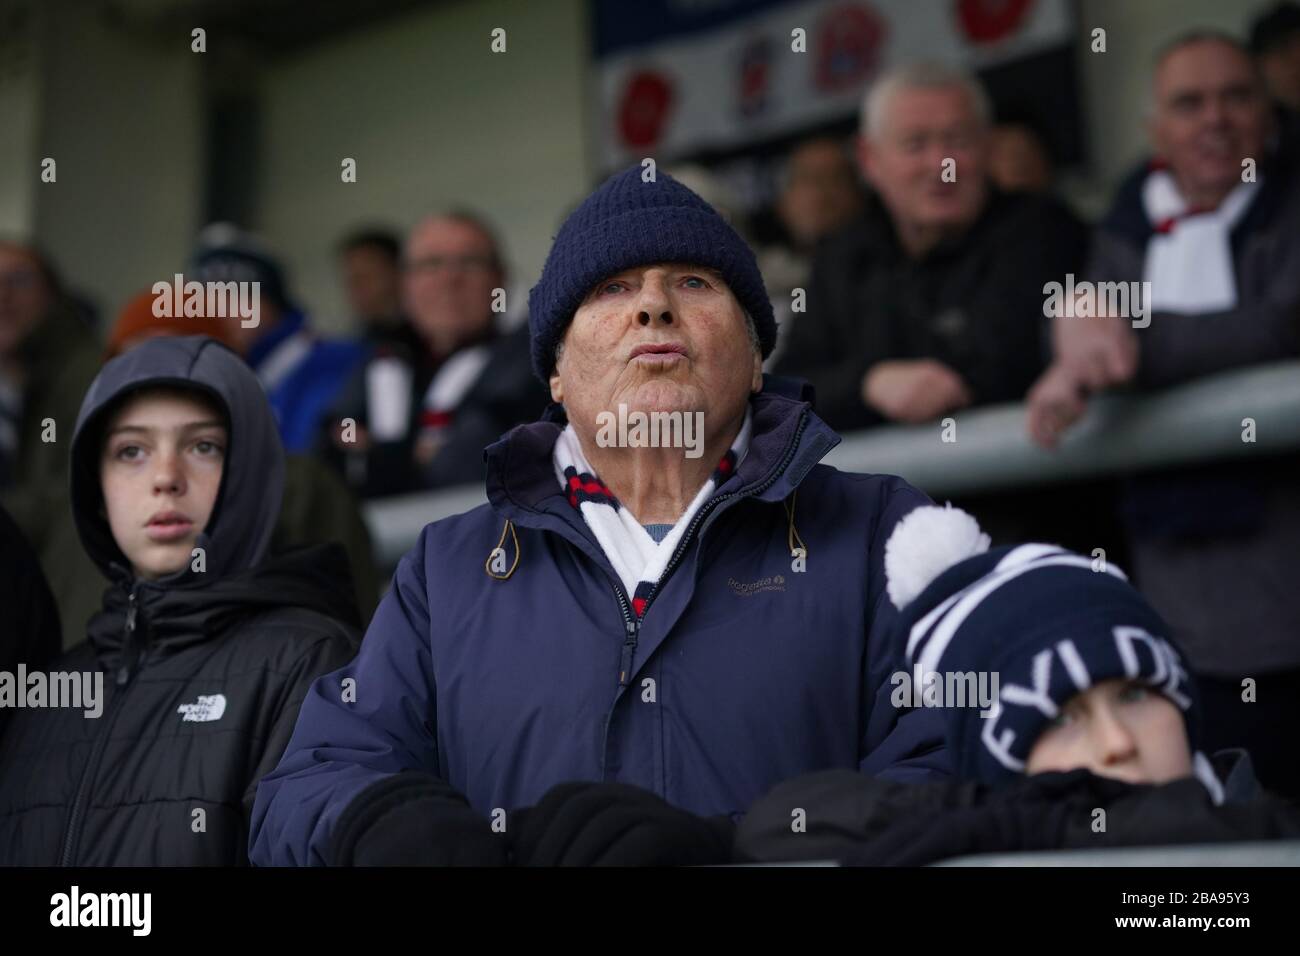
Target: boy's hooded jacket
(502, 677)
(202, 672)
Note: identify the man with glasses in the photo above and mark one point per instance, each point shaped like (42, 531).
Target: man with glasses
(1210, 230)
(413, 420)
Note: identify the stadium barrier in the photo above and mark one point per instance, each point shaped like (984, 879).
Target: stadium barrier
(988, 448)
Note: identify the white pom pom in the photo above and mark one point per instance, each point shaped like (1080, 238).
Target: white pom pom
(926, 542)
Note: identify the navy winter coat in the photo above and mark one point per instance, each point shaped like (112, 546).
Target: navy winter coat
(743, 671)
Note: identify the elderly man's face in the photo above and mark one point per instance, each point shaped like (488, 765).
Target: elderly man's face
(658, 338)
(451, 270)
(1210, 114)
(905, 158)
(24, 296)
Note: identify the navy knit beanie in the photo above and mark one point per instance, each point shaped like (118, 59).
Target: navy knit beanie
(628, 222)
(1049, 623)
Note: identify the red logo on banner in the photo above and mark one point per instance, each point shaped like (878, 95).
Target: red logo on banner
(643, 109)
(755, 76)
(988, 21)
(848, 47)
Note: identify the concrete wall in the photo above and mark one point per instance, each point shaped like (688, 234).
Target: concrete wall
(432, 117)
(119, 115)
(19, 113)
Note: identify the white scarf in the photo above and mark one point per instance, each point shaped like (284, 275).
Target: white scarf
(638, 560)
(1189, 258)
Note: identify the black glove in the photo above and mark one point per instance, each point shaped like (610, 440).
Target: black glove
(414, 819)
(826, 814)
(615, 824)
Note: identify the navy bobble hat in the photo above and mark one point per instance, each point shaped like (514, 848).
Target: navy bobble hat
(1048, 622)
(629, 222)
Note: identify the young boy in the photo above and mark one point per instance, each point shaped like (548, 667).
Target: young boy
(195, 667)
(1091, 708)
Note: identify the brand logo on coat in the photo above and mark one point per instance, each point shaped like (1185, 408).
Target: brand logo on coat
(207, 707)
(774, 582)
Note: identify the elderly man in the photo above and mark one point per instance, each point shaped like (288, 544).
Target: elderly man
(1213, 229)
(628, 638)
(425, 408)
(933, 300)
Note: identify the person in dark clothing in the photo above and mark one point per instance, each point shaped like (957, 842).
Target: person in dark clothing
(31, 633)
(370, 261)
(418, 416)
(1060, 693)
(933, 300)
(204, 647)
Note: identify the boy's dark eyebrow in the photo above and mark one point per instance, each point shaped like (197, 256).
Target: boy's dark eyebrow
(187, 427)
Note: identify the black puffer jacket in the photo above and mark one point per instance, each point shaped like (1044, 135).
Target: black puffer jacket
(859, 820)
(202, 672)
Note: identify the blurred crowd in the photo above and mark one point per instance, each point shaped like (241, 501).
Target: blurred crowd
(903, 296)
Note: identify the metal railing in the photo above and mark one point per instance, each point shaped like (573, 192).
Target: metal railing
(1121, 433)
(1279, 853)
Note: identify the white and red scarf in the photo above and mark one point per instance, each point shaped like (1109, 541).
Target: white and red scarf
(637, 558)
(1189, 256)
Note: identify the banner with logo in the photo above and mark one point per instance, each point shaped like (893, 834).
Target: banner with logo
(683, 77)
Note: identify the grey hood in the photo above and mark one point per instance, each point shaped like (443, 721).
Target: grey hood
(252, 481)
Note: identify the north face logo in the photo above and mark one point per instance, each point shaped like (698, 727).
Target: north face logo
(208, 707)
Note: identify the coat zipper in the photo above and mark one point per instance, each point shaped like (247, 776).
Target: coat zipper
(132, 658)
(633, 625)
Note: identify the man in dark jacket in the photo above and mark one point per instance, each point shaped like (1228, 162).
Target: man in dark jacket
(633, 633)
(1061, 695)
(418, 415)
(933, 301)
(1211, 231)
(203, 650)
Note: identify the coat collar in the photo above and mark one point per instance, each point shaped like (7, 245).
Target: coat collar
(788, 440)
